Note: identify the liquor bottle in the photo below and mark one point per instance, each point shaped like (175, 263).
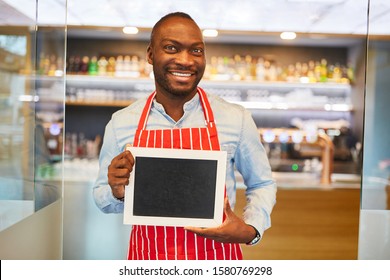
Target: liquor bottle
(213, 67)
(250, 68)
(127, 66)
(52, 65)
(142, 65)
(323, 71)
(46, 64)
(273, 75)
(119, 67)
(149, 70)
(282, 73)
(290, 73)
(102, 66)
(298, 71)
(84, 65)
(231, 68)
(330, 73)
(260, 69)
(77, 65)
(337, 75)
(70, 65)
(220, 66)
(267, 65)
(134, 67)
(111, 66)
(279, 73)
(93, 66)
(41, 67)
(317, 71)
(304, 70)
(240, 67)
(311, 72)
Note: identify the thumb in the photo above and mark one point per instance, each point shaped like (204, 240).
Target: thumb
(128, 146)
(226, 207)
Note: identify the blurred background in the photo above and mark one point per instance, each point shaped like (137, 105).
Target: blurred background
(313, 73)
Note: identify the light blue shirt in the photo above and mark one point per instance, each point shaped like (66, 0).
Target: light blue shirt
(238, 136)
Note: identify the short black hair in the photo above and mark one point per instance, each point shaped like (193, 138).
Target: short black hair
(168, 16)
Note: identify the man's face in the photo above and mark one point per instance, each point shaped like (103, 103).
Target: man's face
(178, 58)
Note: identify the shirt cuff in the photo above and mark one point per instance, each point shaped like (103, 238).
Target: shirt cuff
(256, 239)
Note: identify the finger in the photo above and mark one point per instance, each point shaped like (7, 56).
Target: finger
(120, 169)
(120, 173)
(118, 176)
(226, 206)
(124, 160)
(205, 232)
(193, 229)
(129, 157)
(117, 181)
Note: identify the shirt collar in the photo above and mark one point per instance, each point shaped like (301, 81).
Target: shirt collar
(188, 106)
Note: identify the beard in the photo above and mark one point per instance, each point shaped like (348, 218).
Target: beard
(163, 82)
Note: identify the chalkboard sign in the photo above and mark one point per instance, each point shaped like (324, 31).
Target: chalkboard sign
(175, 187)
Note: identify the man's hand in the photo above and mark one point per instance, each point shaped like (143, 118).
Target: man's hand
(232, 230)
(119, 173)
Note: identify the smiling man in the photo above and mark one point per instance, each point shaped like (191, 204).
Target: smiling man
(181, 115)
(178, 63)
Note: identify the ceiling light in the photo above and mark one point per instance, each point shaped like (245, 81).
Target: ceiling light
(320, 1)
(210, 33)
(130, 30)
(288, 35)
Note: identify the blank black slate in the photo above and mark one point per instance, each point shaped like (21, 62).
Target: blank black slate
(171, 187)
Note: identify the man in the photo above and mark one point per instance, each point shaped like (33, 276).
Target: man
(174, 117)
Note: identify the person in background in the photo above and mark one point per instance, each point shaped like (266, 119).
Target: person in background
(196, 120)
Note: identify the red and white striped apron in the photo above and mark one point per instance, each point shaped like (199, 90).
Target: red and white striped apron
(174, 243)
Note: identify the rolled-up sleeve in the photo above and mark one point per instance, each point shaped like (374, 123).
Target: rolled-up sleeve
(252, 162)
(102, 193)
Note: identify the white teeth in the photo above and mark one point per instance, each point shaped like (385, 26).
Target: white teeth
(181, 74)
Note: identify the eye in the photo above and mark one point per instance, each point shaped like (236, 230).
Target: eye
(198, 51)
(170, 48)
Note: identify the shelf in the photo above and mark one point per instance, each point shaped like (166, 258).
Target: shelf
(278, 85)
(248, 105)
(293, 107)
(277, 96)
(92, 103)
(108, 81)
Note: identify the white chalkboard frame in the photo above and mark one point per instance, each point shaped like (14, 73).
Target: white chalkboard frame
(217, 156)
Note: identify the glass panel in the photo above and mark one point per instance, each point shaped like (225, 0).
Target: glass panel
(376, 157)
(314, 83)
(17, 61)
(49, 105)
(31, 107)
(374, 242)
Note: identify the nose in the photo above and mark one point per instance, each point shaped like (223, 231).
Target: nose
(184, 58)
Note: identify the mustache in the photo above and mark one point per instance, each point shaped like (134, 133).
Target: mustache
(181, 68)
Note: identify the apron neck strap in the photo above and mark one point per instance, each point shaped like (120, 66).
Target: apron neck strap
(208, 113)
(145, 113)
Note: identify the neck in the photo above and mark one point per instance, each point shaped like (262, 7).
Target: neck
(173, 105)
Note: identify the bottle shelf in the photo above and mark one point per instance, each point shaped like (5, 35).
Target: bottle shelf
(84, 90)
(107, 81)
(93, 103)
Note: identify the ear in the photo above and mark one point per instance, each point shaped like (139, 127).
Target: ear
(149, 55)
